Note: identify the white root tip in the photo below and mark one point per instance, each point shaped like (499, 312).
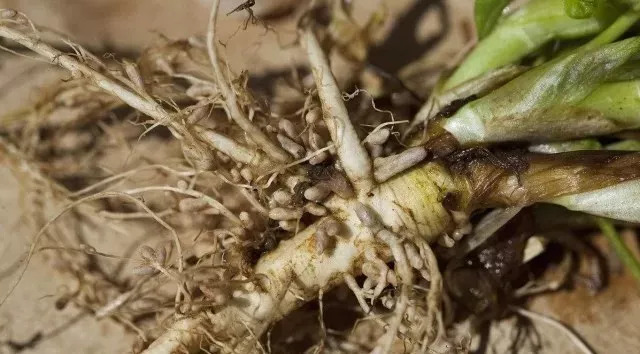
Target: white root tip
(315, 209)
(282, 197)
(390, 166)
(192, 204)
(313, 115)
(291, 146)
(288, 128)
(353, 156)
(316, 193)
(290, 225)
(378, 137)
(283, 214)
(366, 216)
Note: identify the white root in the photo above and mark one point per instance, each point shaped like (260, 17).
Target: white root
(112, 306)
(246, 174)
(211, 211)
(378, 137)
(288, 225)
(575, 339)
(193, 193)
(283, 214)
(197, 113)
(129, 216)
(414, 256)
(350, 281)
(8, 13)
(138, 100)
(322, 241)
(235, 175)
(230, 147)
(325, 233)
(131, 69)
(187, 205)
(224, 158)
(376, 151)
(315, 140)
(125, 174)
(282, 197)
(309, 157)
(185, 334)
(375, 141)
(434, 296)
(353, 156)
(534, 247)
(291, 146)
(292, 181)
(388, 167)
(288, 128)
(446, 241)
(235, 112)
(313, 116)
(406, 276)
(149, 107)
(315, 209)
(489, 224)
(346, 257)
(463, 226)
(331, 226)
(376, 264)
(246, 220)
(316, 193)
(290, 275)
(369, 219)
(76, 203)
(317, 143)
(201, 91)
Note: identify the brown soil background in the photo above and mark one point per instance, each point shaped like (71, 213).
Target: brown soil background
(608, 321)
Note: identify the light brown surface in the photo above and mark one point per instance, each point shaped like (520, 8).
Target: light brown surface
(608, 321)
(30, 310)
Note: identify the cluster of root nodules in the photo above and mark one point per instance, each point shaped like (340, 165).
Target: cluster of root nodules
(199, 198)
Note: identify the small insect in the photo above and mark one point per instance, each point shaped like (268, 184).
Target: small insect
(247, 5)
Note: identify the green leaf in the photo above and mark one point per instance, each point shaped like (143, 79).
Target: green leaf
(633, 4)
(525, 31)
(477, 87)
(618, 201)
(622, 250)
(487, 13)
(564, 146)
(568, 97)
(580, 8)
(617, 29)
(624, 145)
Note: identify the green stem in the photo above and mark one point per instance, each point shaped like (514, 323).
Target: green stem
(613, 32)
(621, 249)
